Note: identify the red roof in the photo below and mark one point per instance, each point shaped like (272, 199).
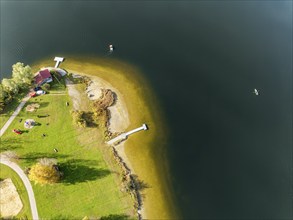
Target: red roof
(42, 75)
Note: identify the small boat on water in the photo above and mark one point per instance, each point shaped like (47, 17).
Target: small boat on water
(255, 92)
(111, 47)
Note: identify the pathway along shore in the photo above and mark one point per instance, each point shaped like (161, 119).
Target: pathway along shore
(4, 160)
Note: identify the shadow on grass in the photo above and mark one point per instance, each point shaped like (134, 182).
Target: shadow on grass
(31, 157)
(10, 144)
(64, 217)
(37, 124)
(43, 104)
(77, 171)
(115, 217)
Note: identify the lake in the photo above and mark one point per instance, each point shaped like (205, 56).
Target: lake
(230, 151)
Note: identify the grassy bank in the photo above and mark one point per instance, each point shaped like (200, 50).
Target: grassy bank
(6, 172)
(145, 150)
(89, 186)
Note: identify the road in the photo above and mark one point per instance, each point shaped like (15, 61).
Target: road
(4, 160)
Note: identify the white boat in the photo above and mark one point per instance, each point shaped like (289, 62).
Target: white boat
(256, 92)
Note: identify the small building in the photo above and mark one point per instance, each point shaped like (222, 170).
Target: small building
(44, 76)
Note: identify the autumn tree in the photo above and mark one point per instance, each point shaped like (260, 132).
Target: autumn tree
(45, 171)
(22, 75)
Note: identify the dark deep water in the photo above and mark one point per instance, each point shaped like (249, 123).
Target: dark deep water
(230, 151)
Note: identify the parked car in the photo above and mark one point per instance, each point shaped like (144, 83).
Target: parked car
(33, 94)
(37, 88)
(40, 92)
(17, 131)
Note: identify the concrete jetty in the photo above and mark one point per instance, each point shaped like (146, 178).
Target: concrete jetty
(124, 136)
(58, 60)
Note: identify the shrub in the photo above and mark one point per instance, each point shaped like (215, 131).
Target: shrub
(45, 171)
(78, 118)
(106, 100)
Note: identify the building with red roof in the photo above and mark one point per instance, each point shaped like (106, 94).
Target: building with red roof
(44, 76)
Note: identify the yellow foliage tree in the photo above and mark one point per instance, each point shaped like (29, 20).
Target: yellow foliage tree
(43, 174)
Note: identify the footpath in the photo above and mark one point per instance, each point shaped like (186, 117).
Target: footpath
(4, 160)
(15, 113)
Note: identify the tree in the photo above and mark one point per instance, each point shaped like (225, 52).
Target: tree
(45, 171)
(22, 75)
(3, 95)
(9, 86)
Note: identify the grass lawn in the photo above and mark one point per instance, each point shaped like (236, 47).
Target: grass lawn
(89, 186)
(6, 172)
(9, 109)
(145, 150)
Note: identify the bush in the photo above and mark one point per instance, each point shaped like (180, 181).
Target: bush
(79, 119)
(106, 100)
(45, 172)
(8, 99)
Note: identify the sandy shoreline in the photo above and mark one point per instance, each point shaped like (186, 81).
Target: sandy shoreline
(144, 152)
(119, 120)
(119, 117)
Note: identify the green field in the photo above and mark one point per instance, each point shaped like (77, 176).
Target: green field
(145, 150)
(89, 187)
(6, 172)
(9, 108)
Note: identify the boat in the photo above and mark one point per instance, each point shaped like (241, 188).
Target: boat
(256, 92)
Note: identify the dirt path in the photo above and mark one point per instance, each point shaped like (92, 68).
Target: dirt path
(74, 94)
(4, 160)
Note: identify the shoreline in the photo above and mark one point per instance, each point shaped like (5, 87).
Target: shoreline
(115, 120)
(144, 152)
(118, 122)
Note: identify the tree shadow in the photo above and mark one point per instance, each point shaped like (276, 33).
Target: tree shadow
(115, 217)
(43, 104)
(139, 184)
(37, 124)
(10, 144)
(89, 118)
(31, 157)
(64, 217)
(77, 171)
(43, 116)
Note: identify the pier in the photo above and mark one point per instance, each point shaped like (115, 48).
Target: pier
(124, 136)
(58, 60)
